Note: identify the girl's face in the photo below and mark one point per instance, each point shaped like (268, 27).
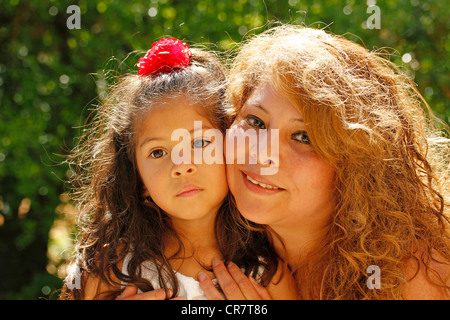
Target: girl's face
(298, 194)
(185, 191)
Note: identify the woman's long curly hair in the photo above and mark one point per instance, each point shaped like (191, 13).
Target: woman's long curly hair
(115, 219)
(368, 120)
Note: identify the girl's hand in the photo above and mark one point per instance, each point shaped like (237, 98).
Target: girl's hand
(234, 284)
(130, 293)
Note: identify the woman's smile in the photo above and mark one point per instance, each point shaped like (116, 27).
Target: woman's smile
(253, 183)
(301, 188)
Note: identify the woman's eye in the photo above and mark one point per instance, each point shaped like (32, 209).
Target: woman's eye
(200, 143)
(301, 137)
(157, 153)
(255, 122)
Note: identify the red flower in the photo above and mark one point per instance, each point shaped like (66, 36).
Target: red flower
(165, 55)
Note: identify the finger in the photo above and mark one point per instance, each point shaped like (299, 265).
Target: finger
(130, 290)
(228, 285)
(208, 287)
(245, 286)
(263, 292)
(159, 294)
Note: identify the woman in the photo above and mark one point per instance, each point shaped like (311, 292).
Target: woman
(361, 178)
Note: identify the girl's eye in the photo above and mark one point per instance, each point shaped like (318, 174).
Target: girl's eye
(255, 122)
(301, 137)
(200, 143)
(157, 153)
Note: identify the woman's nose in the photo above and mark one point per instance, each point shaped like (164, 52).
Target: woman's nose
(266, 151)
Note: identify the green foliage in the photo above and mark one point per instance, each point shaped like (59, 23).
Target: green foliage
(51, 75)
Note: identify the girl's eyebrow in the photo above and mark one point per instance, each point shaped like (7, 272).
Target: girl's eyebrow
(149, 139)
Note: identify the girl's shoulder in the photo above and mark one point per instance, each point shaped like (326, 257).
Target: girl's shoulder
(95, 286)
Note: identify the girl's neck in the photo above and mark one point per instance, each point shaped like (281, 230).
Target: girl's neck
(199, 246)
(196, 233)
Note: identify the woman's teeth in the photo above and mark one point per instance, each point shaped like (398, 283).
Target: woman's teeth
(266, 186)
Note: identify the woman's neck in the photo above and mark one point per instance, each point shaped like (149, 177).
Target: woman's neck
(296, 245)
(302, 252)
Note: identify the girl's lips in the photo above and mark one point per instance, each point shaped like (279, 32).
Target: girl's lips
(188, 191)
(256, 186)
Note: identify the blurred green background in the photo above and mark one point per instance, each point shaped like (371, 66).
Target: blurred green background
(51, 76)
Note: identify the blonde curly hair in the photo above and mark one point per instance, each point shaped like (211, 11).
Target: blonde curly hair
(366, 118)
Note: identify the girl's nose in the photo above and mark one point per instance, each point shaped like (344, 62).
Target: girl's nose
(183, 169)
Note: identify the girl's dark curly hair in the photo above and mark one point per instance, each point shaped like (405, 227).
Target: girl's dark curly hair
(114, 219)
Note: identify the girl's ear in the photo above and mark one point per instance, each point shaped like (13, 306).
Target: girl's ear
(146, 196)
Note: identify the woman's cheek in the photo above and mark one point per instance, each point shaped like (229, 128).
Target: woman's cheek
(237, 140)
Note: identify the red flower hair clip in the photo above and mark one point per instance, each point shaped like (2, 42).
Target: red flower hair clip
(165, 55)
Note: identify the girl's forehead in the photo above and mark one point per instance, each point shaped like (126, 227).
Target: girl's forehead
(171, 115)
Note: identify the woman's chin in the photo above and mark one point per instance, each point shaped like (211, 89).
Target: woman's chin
(253, 211)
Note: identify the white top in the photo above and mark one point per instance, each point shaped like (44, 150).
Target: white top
(188, 286)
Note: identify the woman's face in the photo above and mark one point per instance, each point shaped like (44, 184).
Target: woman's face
(300, 190)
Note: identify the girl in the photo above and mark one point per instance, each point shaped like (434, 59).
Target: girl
(147, 219)
(360, 200)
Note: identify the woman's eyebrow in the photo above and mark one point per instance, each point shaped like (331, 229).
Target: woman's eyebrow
(259, 106)
(256, 105)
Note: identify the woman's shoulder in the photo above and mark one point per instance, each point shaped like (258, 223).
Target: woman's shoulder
(283, 285)
(428, 276)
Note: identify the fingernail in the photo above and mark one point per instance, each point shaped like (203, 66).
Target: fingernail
(169, 292)
(216, 262)
(201, 276)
